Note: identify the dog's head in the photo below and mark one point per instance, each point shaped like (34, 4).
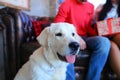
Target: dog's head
(62, 39)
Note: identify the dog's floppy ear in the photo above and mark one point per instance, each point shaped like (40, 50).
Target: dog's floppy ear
(43, 37)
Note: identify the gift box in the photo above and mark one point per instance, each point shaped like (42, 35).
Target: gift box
(108, 27)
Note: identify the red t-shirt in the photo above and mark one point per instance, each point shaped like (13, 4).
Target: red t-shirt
(79, 14)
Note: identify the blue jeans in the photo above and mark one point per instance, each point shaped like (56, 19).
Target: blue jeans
(100, 47)
(70, 72)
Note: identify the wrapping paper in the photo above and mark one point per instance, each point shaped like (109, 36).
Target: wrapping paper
(108, 27)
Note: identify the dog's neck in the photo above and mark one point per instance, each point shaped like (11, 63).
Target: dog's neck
(52, 60)
(51, 64)
(48, 61)
(46, 57)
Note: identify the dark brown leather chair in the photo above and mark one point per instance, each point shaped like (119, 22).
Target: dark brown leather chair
(19, 42)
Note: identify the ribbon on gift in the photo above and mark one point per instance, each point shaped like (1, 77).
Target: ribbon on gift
(109, 23)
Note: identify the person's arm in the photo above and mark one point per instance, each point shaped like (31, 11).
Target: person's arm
(91, 30)
(62, 13)
(97, 11)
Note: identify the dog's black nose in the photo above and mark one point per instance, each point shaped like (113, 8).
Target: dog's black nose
(74, 46)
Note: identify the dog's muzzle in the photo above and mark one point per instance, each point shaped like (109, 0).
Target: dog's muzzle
(70, 58)
(74, 46)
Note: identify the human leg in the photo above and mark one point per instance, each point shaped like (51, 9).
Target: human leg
(115, 54)
(116, 39)
(115, 58)
(100, 49)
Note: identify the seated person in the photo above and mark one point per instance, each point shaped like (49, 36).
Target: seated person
(79, 13)
(111, 9)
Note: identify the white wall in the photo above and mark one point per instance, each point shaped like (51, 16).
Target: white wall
(96, 3)
(43, 8)
(39, 8)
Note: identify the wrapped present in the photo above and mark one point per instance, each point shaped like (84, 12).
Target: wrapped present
(108, 27)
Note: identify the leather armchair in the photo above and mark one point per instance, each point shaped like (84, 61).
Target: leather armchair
(15, 33)
(20, 41)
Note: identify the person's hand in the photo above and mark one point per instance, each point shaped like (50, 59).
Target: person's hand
(97, 11)
(82, 44)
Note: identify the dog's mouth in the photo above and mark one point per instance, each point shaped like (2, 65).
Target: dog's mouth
(68, 58)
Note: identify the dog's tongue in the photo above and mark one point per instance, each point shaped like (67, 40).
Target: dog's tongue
(70, 58)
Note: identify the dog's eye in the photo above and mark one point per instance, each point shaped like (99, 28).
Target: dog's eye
(58, 34)
(73, 34)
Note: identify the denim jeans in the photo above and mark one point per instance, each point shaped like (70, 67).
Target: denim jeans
(70, 72)
(100, 47)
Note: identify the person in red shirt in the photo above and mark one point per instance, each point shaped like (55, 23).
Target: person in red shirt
(80, 13)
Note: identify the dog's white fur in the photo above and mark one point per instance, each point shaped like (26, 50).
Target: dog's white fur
(44, 63)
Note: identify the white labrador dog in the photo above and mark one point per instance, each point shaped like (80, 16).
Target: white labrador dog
(59, 45)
